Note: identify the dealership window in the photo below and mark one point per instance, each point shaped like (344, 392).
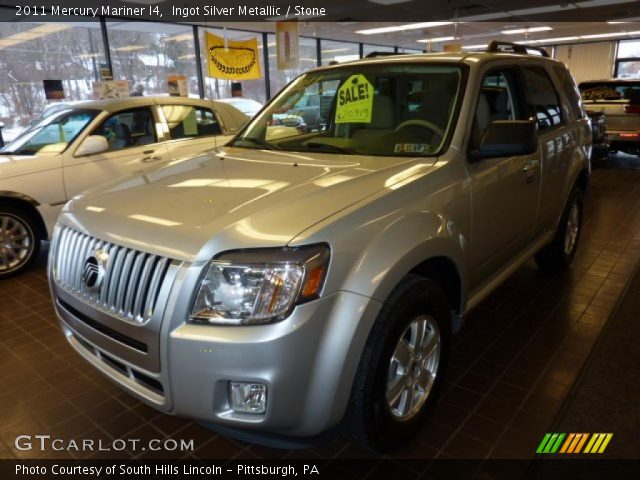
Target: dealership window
(145, 53)
(628, 61)
(308, 59)
(339, 52)
(32, 52)
(218, 88)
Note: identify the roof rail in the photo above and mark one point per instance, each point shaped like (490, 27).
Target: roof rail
(497, 46)
(382, 54)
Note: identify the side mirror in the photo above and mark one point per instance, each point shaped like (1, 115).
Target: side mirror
(507, 138)
(91, 145)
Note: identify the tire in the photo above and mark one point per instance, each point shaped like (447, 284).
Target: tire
(19, 240)
(372, 420)
(559, 254)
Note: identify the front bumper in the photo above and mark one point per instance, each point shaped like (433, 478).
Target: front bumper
(307, 361)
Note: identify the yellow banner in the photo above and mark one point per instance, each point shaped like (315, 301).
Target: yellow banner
(237, 60)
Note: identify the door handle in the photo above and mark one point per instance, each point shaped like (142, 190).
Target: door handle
(530, 166)
(151, 158)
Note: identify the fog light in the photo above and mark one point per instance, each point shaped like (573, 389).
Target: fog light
(248, 397)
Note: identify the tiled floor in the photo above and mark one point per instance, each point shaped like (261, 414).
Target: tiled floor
(511, 368)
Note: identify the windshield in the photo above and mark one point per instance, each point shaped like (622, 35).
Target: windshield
(390, 110)
(609, 90)
(52, 134)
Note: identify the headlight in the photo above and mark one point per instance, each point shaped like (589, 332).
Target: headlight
(259, 286)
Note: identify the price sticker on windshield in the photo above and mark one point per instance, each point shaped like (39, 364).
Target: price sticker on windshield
(355, 100)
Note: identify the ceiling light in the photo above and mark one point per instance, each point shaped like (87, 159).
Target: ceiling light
(526, 30)
(604, 35)
(474, 47)
(547, 41)
(334, 50)
(179, 38)
(602, 3)
(547, 9)
(437, 39)
(398, 28)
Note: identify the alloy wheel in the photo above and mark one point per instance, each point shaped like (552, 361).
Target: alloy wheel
(16, 243)
(413, 368)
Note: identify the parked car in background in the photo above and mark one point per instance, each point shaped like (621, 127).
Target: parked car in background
(245, 105)
(280, 287)
(598, 134)
(619, 100)
(78, 146)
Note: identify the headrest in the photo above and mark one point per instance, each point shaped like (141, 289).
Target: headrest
(122, 131)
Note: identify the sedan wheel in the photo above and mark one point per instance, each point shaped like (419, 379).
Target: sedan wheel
(18, 243)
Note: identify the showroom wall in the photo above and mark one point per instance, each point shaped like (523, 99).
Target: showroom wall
(588, 61)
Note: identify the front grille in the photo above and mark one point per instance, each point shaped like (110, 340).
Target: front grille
(130, 279)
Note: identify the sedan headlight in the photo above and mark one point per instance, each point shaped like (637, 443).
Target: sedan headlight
(259, 286)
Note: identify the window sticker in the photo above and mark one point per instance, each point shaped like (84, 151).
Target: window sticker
(411, 148)
(355, 100)
(190, 124)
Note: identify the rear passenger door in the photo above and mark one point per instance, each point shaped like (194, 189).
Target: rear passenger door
(504, 190)
(557, 139)
(133, 145)
(192, 130)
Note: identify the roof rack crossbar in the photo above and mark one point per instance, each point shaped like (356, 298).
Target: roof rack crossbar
(383, 54)
(497, 46)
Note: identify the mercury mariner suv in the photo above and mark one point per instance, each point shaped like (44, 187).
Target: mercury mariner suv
(297, 281)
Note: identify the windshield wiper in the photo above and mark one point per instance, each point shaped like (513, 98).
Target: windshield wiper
(257, 141)
(333, 148)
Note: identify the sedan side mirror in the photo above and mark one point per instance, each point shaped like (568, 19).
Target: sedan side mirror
(91, 145)
(507, 138)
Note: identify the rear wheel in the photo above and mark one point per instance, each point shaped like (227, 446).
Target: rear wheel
(402, 366)
(560, 252)
(19, 241)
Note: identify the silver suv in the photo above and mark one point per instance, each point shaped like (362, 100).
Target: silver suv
(296, 281)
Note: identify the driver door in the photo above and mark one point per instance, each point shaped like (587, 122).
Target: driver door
(133, 146)
(505, 191)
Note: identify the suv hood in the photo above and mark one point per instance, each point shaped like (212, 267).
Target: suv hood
(233, 198)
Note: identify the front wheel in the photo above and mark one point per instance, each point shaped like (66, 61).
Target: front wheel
(19, 241)
(560, 252)
(402, 366)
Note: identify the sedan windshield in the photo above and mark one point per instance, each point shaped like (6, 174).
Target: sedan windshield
(389, 110)
(52, 134)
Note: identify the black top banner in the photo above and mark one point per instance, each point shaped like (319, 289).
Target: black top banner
(219, 11)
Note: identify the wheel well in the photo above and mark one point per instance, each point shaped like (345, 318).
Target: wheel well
(443, 271)
(31, 209)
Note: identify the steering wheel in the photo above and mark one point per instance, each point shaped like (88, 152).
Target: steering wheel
(417, 122)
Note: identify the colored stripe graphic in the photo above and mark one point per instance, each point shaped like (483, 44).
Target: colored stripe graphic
(573, 443)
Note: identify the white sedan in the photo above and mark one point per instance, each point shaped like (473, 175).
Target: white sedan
(90, 143)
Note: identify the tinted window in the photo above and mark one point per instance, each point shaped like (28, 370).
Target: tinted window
(542, 98)
(570, 90)
(131, 128)
(186, 121)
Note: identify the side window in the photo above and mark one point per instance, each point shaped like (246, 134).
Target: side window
(499, 99)
(542, 98)
(130, 128)
(186, 121)
(571, 91)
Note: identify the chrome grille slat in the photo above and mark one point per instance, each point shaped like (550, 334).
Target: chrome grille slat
(131, 282)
